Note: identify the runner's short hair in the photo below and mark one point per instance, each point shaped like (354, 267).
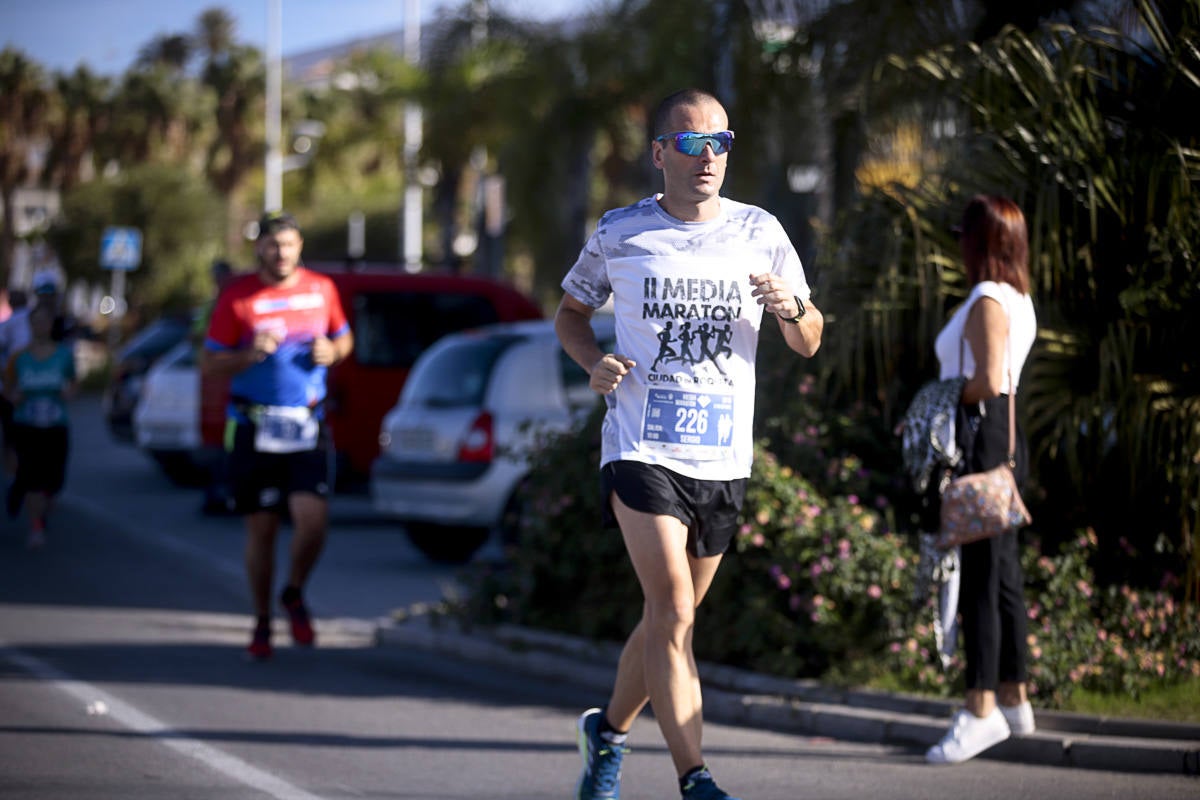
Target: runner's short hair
(273, 222)
(685, 97)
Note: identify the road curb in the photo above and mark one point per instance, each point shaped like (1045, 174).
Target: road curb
(808, 708)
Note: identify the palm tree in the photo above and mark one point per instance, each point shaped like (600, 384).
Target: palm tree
(83, 114)
(236, 76)
(1086, 129)
(24, 116)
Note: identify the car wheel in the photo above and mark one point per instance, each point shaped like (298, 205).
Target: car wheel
(446, 544)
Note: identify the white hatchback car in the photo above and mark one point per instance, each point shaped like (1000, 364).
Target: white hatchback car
(454, 449)
(166, 419)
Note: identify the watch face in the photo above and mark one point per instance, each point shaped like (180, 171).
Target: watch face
(799, 305)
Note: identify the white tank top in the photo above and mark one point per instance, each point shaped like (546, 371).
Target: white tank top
(1022, 324)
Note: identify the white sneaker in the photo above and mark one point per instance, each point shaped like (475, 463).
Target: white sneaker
(968, 736)
(1019, 718)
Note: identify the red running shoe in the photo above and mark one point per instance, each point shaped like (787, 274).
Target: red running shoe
(259, 648)
(302, 627)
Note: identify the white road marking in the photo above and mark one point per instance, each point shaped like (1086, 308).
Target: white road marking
(127, 715)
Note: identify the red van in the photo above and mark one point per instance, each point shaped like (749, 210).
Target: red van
(395, 315)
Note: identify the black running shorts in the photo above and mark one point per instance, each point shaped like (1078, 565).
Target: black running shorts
(263, 481)
(709, 509)
(41, 457)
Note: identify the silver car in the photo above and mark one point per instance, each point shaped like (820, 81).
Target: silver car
(455, 448)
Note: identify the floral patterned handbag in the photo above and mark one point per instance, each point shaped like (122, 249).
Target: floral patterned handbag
(985, 504)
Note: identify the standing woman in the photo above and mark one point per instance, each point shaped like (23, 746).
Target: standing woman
(39, 380)
(987, 341)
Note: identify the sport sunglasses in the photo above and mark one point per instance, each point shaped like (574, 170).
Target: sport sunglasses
(691, 143)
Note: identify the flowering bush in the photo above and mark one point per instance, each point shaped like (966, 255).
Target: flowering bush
(829, 580)
(1113, 639)
(812, 583)
(819, 584)
(1080, 636)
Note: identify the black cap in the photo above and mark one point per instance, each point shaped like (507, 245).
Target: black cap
(273, 222)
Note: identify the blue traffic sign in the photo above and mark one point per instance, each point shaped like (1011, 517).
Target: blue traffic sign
(121, 248)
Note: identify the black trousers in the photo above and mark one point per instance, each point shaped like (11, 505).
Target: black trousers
(991, 594)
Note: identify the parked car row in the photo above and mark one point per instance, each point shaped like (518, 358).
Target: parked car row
(456, 446)
(130, 365)
(450, 384)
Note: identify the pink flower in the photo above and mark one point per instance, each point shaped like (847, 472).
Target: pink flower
(895, 648)
(818, 601)
(900, 563)
(852, 499)
(844, 549)
(758, 540)
(874, 592)
(783, 582)
(815, 570)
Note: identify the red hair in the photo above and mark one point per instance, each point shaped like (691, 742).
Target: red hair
(995, 242)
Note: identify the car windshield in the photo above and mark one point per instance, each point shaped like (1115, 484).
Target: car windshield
(457, 375)
(155, 339)
(392, 328)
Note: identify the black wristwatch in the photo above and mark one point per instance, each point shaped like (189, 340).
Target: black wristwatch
(799, 314)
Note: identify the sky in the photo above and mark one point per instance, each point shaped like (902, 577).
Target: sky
(107, 34)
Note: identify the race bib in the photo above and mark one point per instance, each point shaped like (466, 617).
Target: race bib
(689, 425)
(285, 429)
(43, 412)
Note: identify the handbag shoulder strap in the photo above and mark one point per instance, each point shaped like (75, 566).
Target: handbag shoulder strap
(1012, 387)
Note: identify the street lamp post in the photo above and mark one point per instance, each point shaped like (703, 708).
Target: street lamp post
(411, 221)
(273, 190)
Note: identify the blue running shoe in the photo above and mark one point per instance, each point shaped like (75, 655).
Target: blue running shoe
(601, 776)
(701, 786)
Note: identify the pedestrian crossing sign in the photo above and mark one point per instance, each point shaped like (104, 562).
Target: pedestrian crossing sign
(121, 248)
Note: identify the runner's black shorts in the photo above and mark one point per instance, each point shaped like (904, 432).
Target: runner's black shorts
(709, 509)
(6, 420)
(41, 457)
(263, 481)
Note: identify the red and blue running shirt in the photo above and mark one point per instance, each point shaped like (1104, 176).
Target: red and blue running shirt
(299, 313)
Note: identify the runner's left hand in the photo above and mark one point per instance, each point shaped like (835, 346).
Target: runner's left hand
(774, 293)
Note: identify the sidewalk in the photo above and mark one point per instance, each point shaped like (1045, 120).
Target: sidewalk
(807, 708)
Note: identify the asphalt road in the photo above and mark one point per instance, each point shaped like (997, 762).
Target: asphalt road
(122, 676)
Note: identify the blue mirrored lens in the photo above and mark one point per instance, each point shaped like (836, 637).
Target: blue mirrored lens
(692, 144)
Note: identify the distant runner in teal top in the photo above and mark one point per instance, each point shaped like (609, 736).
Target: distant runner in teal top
(39, 380)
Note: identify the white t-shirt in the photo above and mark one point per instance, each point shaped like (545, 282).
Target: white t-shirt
(684, 313)
(1022, 327)
(15, 336)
